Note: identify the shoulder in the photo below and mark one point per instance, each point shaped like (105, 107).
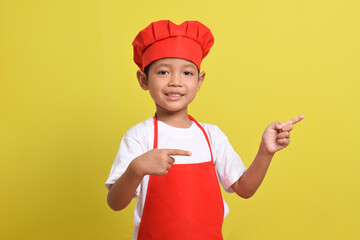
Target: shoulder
(213, 130)
(141, 129)
(216, 136)
(137, 140)
(140, 136)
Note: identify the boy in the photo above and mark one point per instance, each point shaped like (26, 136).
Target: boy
(171, 163)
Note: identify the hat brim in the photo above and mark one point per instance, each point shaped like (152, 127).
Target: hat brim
(176, 47)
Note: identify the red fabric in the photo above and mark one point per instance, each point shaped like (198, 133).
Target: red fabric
(206, 136)
(186, 203)
(190, 40)
(155, 133)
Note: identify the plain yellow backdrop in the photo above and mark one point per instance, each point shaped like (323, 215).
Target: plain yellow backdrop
(68, 93)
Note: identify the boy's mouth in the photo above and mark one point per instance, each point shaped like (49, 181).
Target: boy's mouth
(174, 96)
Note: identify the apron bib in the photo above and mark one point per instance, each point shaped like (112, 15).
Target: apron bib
(184, 204)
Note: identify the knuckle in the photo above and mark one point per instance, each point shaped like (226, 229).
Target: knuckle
(283, 135)
(283, 141)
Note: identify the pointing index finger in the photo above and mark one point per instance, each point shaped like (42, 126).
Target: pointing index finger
(294, 120)
(178, 152)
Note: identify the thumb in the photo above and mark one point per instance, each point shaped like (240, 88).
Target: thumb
(275, 126)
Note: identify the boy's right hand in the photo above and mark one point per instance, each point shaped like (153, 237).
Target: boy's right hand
(156, 161)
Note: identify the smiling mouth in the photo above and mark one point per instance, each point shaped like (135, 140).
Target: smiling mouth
(174, 96)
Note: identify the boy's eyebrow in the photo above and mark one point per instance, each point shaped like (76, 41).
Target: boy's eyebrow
(190, 65)
(167, 65)
(162, 64)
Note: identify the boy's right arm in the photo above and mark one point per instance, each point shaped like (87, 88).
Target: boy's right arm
(123, 190)
(154, 162)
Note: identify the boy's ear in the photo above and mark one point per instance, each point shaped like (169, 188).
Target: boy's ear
(143, 81)
(201, 80)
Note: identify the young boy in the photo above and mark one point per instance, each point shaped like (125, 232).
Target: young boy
(171, 163)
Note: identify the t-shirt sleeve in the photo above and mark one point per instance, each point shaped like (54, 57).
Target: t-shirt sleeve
(129, 149)
(228, 164)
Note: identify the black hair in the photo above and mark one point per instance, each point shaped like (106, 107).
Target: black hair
(146, 70)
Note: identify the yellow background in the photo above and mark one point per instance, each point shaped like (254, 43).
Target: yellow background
(68, 93)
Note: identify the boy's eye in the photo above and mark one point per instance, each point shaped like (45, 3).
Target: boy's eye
(163, 72)
(188, 73)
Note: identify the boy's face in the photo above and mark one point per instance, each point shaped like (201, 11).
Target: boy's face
(172, 83)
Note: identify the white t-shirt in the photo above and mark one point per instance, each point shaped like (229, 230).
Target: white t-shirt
(140, 139)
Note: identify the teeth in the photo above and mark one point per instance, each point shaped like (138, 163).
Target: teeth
(174, 95)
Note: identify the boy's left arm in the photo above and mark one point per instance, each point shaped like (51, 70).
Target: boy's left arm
(276, 137)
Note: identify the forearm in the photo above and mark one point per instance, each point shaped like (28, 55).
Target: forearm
(251, 179)
(275, 137)
(123, 190)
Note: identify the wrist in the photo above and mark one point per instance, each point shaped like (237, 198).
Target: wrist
(135, 168)
(264, 153)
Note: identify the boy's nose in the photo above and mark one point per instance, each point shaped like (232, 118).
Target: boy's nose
(175, 80)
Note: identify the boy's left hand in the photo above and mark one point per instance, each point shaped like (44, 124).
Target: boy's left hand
(277, 135)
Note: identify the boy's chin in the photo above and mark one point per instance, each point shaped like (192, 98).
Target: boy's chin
(170, 110)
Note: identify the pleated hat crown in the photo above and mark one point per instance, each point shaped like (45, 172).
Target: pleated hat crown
(190, 40)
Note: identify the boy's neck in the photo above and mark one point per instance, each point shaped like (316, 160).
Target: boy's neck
(175, 119)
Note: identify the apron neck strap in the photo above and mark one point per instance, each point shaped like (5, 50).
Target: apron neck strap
(155, 132)
(206, 136)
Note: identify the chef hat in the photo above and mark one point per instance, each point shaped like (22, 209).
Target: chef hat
(190, 40)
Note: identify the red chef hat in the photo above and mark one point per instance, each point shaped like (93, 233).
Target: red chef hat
(190, 40)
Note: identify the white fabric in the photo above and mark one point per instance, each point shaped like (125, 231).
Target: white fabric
(140, 139)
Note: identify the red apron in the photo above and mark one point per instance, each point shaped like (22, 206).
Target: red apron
(184, 204)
